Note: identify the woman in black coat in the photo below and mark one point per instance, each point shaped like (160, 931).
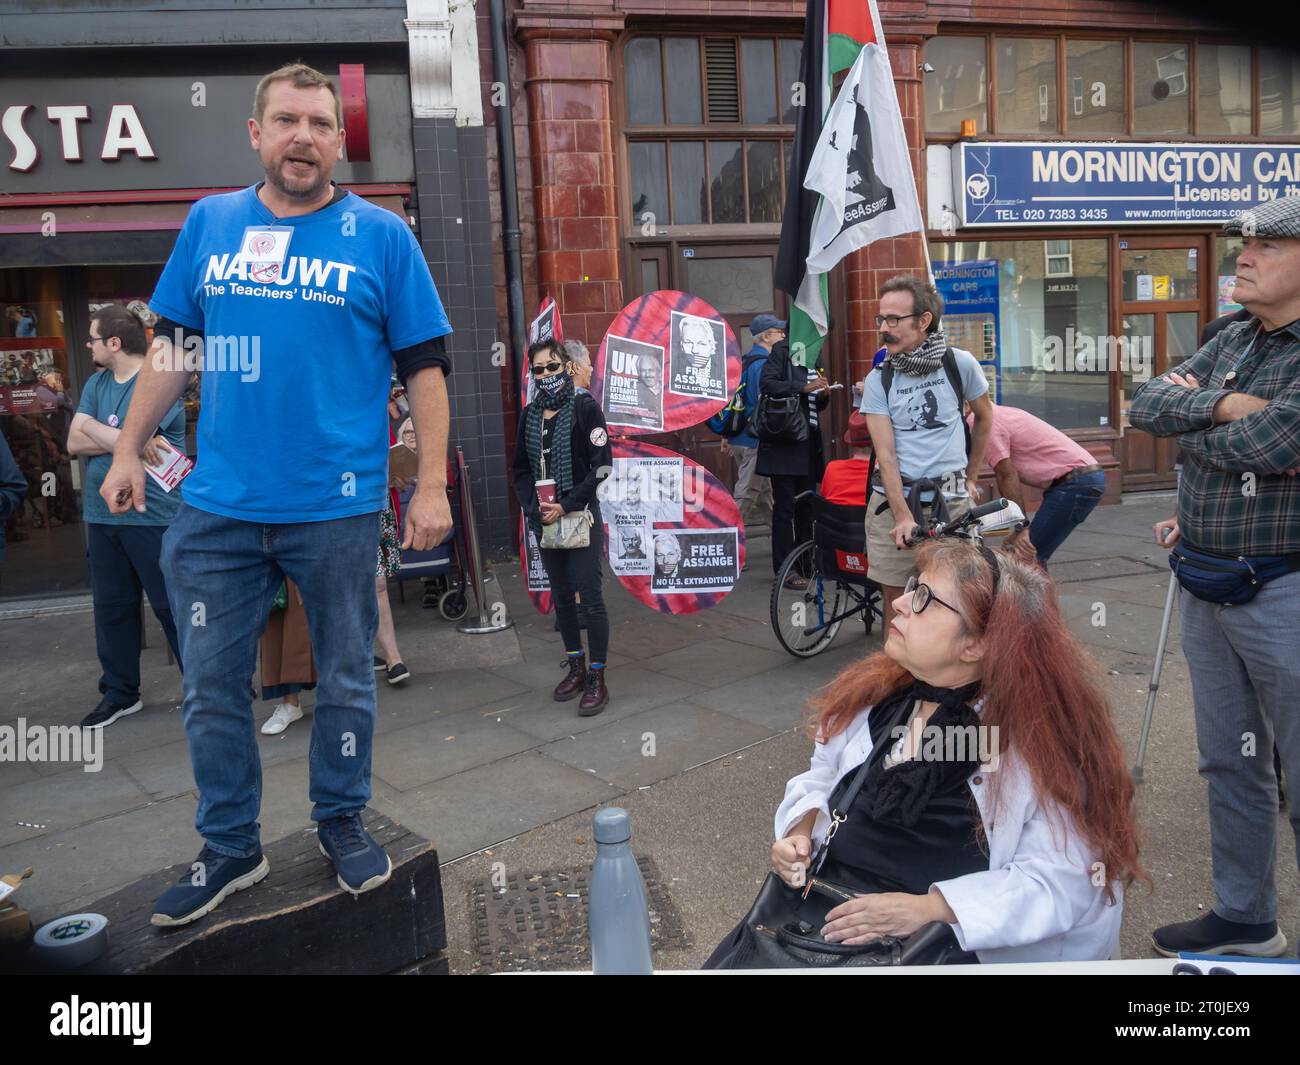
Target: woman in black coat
(793, 468)
(577, 460)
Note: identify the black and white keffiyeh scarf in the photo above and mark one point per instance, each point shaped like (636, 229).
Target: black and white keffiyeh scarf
(924, 360)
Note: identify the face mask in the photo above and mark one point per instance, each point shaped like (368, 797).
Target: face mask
(553, 385)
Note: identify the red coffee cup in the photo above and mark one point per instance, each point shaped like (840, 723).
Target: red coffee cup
(546, 491)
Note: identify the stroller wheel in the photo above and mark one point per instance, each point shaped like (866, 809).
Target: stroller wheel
(453, 604)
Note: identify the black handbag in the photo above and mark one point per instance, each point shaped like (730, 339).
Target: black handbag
(781, 420)
(783, 928)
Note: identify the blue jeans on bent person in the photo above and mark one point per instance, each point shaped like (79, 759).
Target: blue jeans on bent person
(222, 575)
(1062, 508)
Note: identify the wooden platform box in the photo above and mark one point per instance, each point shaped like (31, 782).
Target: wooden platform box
(296, 921)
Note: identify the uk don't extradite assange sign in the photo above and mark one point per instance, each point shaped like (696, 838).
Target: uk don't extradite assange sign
(1062, 183)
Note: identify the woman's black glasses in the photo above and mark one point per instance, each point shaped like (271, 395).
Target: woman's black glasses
(550, 367)
(923, 596)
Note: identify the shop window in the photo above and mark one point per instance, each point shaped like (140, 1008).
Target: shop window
(1059, 258)
(649, 173)
(1226, 250)
(643, 76)
(1279, 92)
(1160, 97)
(685, 103)
(956, 84)
(44, 550)
(791, 54)
(1223, 89)
(759, 76)
(763, 164)
(1042, 340)
(706, 85)
(690, 190)
(1026, 74)
(727, 181)
(1094, 73)
(716, 193)
(1160, 274)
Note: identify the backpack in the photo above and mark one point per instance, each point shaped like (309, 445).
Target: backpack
(732, 420)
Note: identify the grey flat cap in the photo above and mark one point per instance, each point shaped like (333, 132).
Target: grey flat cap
(1276, 218)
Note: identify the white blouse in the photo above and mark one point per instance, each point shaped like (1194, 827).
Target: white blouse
(1038, 900)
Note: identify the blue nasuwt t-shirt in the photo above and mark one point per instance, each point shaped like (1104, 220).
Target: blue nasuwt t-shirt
(107, 400)
(297, 361)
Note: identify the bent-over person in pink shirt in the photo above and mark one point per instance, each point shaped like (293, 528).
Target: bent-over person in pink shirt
(1024, 450)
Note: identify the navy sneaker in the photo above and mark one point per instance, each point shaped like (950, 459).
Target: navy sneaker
(204, 885)
(1213, 934)
(109, 711)
(359, 861)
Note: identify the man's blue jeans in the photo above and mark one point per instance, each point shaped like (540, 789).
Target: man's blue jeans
(222, 575)
(1062, 508)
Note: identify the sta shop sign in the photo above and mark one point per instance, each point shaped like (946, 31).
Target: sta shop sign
(123, 133)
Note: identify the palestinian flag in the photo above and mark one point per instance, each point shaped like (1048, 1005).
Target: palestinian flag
(835, 33)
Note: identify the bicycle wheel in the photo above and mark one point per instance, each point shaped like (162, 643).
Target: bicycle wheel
(800, 616)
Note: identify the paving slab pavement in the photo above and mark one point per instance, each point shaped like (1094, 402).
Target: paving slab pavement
(473, 752)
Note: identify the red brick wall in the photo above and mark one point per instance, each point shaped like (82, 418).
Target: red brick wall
(569, 87)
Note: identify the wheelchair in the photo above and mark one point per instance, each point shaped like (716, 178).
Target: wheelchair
(834, 563)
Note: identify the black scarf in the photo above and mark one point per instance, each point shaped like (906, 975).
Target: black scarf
(899, 794)
(560, 468)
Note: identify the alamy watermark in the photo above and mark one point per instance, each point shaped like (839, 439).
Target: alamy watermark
(949, 743)
(211, 354)
(22, 742)
(1081, 353)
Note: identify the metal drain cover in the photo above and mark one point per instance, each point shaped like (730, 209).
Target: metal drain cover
(538, 920)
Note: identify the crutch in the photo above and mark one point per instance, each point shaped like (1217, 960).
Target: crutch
(1154, 686)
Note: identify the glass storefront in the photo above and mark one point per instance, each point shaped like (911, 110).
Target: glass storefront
(1039, 325)
(44, 365)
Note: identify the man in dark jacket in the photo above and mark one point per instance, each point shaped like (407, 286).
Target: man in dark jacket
(793, 468)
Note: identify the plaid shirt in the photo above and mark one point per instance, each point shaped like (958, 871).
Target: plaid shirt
(1235, 497)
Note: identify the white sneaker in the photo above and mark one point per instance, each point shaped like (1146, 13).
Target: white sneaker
(285, 715)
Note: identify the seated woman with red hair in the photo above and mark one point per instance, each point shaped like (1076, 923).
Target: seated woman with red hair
(1023, 842)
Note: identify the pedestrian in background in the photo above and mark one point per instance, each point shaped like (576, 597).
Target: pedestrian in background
(794, 468)
(124, 548)
(563, 438)
(1024, 450)
(288, 667)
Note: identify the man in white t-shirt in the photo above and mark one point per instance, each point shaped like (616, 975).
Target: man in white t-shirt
(917, 429)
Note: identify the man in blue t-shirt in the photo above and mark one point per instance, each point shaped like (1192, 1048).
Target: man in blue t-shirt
(124, 548)
(289, 294)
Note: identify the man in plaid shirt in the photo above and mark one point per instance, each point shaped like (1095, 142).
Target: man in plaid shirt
(1235, 409)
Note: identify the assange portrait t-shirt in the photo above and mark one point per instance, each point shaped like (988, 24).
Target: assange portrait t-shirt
(301, 317)
(928, 435)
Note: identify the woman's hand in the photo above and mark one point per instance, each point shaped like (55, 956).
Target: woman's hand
(868, 917)
(790, 857)
(551, 513)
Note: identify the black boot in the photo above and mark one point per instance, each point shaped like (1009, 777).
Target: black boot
(574, 681)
